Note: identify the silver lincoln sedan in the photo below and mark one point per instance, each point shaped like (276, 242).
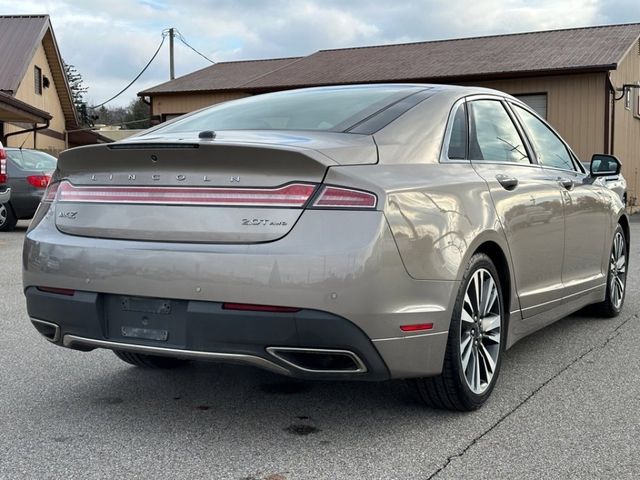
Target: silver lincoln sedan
(351, 232)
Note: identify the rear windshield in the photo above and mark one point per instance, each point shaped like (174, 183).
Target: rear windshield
(325, 109)
(32, 159)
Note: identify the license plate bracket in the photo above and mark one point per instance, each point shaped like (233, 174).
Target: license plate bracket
(132, 319)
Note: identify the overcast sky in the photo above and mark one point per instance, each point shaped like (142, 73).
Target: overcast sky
(110, 41)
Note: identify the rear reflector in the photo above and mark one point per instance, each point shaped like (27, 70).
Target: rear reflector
(292, 195)
(416, 327)
(39, 181)
(59, 291)
(340, 197)
(258, 308)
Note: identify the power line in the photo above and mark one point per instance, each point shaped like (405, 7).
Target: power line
(137, 76)
(183, 40)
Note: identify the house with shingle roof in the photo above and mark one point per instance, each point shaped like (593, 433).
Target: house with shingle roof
(573, 77)
(36, 106)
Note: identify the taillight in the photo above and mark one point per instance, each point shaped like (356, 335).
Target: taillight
(39, 181)
(292, 195)
(58, 291)
(341, 197)
(50, 193)
(3, 166)
(248, 307)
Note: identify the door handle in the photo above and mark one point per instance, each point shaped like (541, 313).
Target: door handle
(566, 183)
(507, 182)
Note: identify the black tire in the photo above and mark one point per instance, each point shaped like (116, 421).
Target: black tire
(7, 218)
(150, 361)
(610, 308)
(450, 390)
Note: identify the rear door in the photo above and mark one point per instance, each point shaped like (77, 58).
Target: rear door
(587, 216)
(528, 204)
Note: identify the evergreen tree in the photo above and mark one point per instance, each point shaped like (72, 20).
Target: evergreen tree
(138, 115)
(78, 89)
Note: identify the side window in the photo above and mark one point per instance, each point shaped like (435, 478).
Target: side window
(458, 136)
(550, 150)
(37, 79)
(493, 136)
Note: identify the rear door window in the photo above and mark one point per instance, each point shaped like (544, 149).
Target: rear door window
(492, 135)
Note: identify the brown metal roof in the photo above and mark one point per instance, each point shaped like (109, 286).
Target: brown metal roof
(221, 76)
(20, 36)
(19, 39)
(534, 53)
(577, 49)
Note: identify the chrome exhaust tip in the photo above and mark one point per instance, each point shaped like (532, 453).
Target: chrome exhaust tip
(48, 330)
(319, 360)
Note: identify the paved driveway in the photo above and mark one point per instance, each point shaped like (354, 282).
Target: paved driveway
(567, 405)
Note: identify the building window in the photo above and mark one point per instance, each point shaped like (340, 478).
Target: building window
(627, 98)
(536, 102)
(37, 79)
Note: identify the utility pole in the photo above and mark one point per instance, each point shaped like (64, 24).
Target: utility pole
(172, 73)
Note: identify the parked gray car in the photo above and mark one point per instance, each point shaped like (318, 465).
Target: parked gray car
(27, 173)
(351, 232)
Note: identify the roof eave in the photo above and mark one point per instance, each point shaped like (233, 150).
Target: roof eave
(23, 111)
(436, 79)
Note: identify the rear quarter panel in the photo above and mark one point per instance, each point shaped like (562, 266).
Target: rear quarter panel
(439, 214)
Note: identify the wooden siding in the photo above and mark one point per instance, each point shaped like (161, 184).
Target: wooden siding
(48, 101)
(575, 106)
(188, 102)
(626, 140)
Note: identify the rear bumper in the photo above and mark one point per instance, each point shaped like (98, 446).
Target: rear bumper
(204, 330)
(342, 269)
(25, 203)
(5, 194)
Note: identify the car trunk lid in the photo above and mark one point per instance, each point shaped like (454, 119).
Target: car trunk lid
(241, 189)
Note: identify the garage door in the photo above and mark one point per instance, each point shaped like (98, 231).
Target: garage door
(537, 102)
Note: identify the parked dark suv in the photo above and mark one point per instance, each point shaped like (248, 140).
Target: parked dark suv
(27, 173)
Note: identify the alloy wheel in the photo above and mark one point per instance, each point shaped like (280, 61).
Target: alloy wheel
(480, 332)
(3, 214)
(617, 270)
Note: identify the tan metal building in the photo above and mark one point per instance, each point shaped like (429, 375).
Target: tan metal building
(573, 77)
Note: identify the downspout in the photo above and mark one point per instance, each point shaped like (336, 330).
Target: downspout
(611, 114)
(608, 101)
(28, 130)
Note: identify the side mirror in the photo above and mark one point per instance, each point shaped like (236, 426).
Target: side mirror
(604, 165)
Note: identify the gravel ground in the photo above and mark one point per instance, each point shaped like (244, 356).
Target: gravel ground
(566, 406)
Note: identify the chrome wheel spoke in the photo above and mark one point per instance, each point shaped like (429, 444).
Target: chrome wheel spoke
(467, 303)
(469, 372)
(476, 371)
(466, 317)
(489, 361)
(489, 324)
(465, 349)
(490, 296)
(477, 284)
